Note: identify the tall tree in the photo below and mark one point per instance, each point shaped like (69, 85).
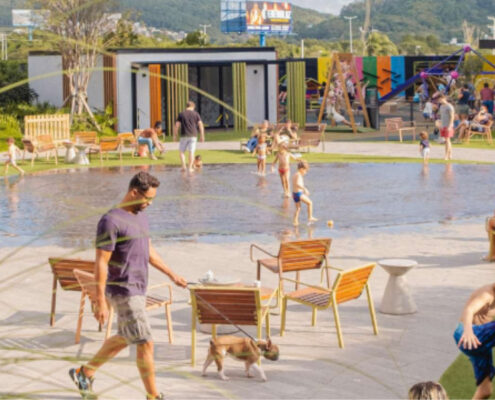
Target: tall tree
(366, 25)
(79, 26)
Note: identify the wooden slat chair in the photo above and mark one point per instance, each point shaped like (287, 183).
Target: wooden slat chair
(63, 273)
(491, 238)
(129, 141)
(394, 125)
(39, 144)
(312, 136)
(241, 305)
(295, 256)
(348, 285)
(89, 138)
(109, 144)
(485, 132)
(88, 284)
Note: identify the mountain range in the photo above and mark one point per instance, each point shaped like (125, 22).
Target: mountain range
(396, 18)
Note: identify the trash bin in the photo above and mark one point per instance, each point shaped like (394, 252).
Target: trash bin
(372, 107)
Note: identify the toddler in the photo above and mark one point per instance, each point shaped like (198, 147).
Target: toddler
(12, 156)
(260, 151)
(424, 146)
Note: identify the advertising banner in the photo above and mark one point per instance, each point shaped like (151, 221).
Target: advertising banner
(262, 16)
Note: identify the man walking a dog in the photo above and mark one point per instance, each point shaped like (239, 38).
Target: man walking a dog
(123, 251)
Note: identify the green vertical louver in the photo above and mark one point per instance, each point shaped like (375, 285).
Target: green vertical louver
(239, 86)
(296, 92)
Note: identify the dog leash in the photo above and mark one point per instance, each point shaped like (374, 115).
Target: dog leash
(212, 307)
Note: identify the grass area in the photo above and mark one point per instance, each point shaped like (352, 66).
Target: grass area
(458, 380)
(473, 144)
(171, 158)
(221, 135)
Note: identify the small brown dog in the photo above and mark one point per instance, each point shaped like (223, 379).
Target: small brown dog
(242, 349)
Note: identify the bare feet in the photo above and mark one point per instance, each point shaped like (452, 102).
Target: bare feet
(153, 157)
(488, 259)
(295, 223)
(312, 220)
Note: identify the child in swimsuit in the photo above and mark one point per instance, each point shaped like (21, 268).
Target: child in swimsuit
(283, 157)
(260, 152)
(198, 163)
(12, 157)
(301, 194)
(424, 146)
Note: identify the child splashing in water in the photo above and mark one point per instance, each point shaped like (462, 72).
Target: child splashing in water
(301, 194)
(283, 157)
(12, 157)
(260, 152)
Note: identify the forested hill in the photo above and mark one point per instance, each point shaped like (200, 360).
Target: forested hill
(443, 18)
(395, 17)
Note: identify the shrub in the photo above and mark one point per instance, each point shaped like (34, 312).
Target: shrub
(9, 127)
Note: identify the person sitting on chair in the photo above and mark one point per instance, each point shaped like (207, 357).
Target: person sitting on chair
(332, 113)
(149, 137)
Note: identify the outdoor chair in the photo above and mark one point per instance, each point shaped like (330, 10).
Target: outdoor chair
(295, 256)
(491, 239)
(312, 136)
(393, 125)
(39, 144)
(89, 138)
(63, 274)
(109, 144)
(129, 141)
(229, 305)
(486, 131)
(348, 285)
(88, 284)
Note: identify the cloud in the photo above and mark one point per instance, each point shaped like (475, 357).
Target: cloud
(328, 6)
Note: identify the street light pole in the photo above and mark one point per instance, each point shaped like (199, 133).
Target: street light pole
(350, 29)
(204, 26)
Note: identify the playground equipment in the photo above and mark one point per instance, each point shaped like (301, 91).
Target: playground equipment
(434, 71)
(344, 62)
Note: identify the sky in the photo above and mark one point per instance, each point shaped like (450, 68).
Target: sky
(329, 6)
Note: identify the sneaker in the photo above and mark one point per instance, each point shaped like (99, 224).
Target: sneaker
(83, 383)
(161, 396)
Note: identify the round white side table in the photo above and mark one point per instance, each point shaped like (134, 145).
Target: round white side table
(397, 298)
(81, 157)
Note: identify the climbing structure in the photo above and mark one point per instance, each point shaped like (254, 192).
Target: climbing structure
(343, 67)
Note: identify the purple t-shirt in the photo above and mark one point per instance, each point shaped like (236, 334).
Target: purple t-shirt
(126, 235)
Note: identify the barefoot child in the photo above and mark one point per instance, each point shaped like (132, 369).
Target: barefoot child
(198, 163)
(260, 151)
(283, 157)
(12, 157)
(490, 229)
(424, 146)
(300, 193)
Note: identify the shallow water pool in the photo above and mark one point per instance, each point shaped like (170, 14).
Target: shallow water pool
(226, 201)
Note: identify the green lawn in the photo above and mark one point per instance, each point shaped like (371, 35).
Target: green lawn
(458, 380)
(217, 157)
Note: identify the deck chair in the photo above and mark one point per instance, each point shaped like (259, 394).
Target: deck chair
(348, 285)
(294, 256)
(128, 140)
(393, 125)
(88, 285)
(241, 305)
(39, 144)
(486, 131)
(63, 274)
(491, 239)
(107, 145)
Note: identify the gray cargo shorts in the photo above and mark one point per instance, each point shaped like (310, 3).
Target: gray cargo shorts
(133, 324)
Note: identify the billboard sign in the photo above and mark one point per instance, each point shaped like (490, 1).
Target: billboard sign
(268, 17)
(29, 18)
(233, 16)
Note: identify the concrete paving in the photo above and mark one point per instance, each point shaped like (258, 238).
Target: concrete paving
(35, 357)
